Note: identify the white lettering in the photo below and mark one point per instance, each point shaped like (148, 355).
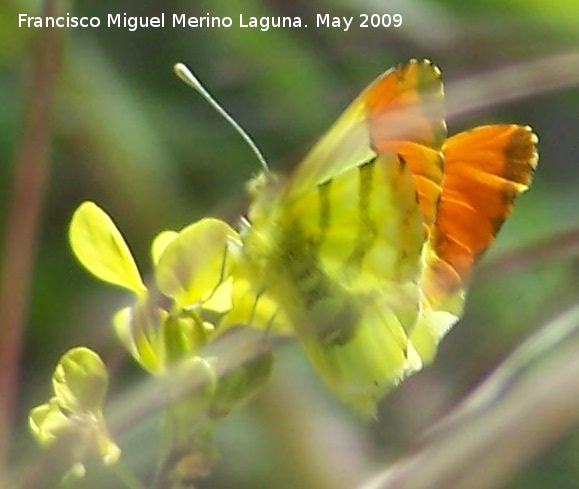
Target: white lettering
(323, 20)
(348, 23)
(113, 20)
(265, 23)
(204, 21)
(132, 23)
(327, 21)
(68, 21)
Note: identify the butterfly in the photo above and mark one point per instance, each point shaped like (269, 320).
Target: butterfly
(367, 248)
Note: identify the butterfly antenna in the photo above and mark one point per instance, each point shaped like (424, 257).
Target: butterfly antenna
(190, 79)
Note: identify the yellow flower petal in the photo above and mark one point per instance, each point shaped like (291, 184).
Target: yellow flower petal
(195, 263)
(100, 247)
(160, 243)
(80, 380)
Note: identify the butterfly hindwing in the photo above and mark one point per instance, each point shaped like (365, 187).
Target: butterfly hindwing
(351, 258)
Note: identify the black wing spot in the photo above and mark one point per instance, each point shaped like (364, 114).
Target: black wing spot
(401, 163)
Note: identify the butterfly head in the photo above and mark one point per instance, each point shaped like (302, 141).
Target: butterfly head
(264, 191)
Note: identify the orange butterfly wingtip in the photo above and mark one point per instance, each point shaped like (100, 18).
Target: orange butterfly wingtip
(485, 170)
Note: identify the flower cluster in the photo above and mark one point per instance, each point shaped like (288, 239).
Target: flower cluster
(192, 302)
(74, 414)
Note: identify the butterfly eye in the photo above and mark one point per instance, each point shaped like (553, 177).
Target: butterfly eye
(257, 184)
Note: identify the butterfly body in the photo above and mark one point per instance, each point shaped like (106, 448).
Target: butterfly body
(366, 248)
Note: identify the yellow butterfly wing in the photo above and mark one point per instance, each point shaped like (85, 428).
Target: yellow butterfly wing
(349, 274)
(339, 244)
(400, 112)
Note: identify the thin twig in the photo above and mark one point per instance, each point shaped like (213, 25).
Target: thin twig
(558, 246)
(510, 83)
(22, 221)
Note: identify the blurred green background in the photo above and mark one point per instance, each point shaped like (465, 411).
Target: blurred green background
(126, 133)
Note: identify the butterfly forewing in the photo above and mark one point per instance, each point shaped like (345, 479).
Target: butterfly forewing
(401, 112)
(486, 168)
(412, 125)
